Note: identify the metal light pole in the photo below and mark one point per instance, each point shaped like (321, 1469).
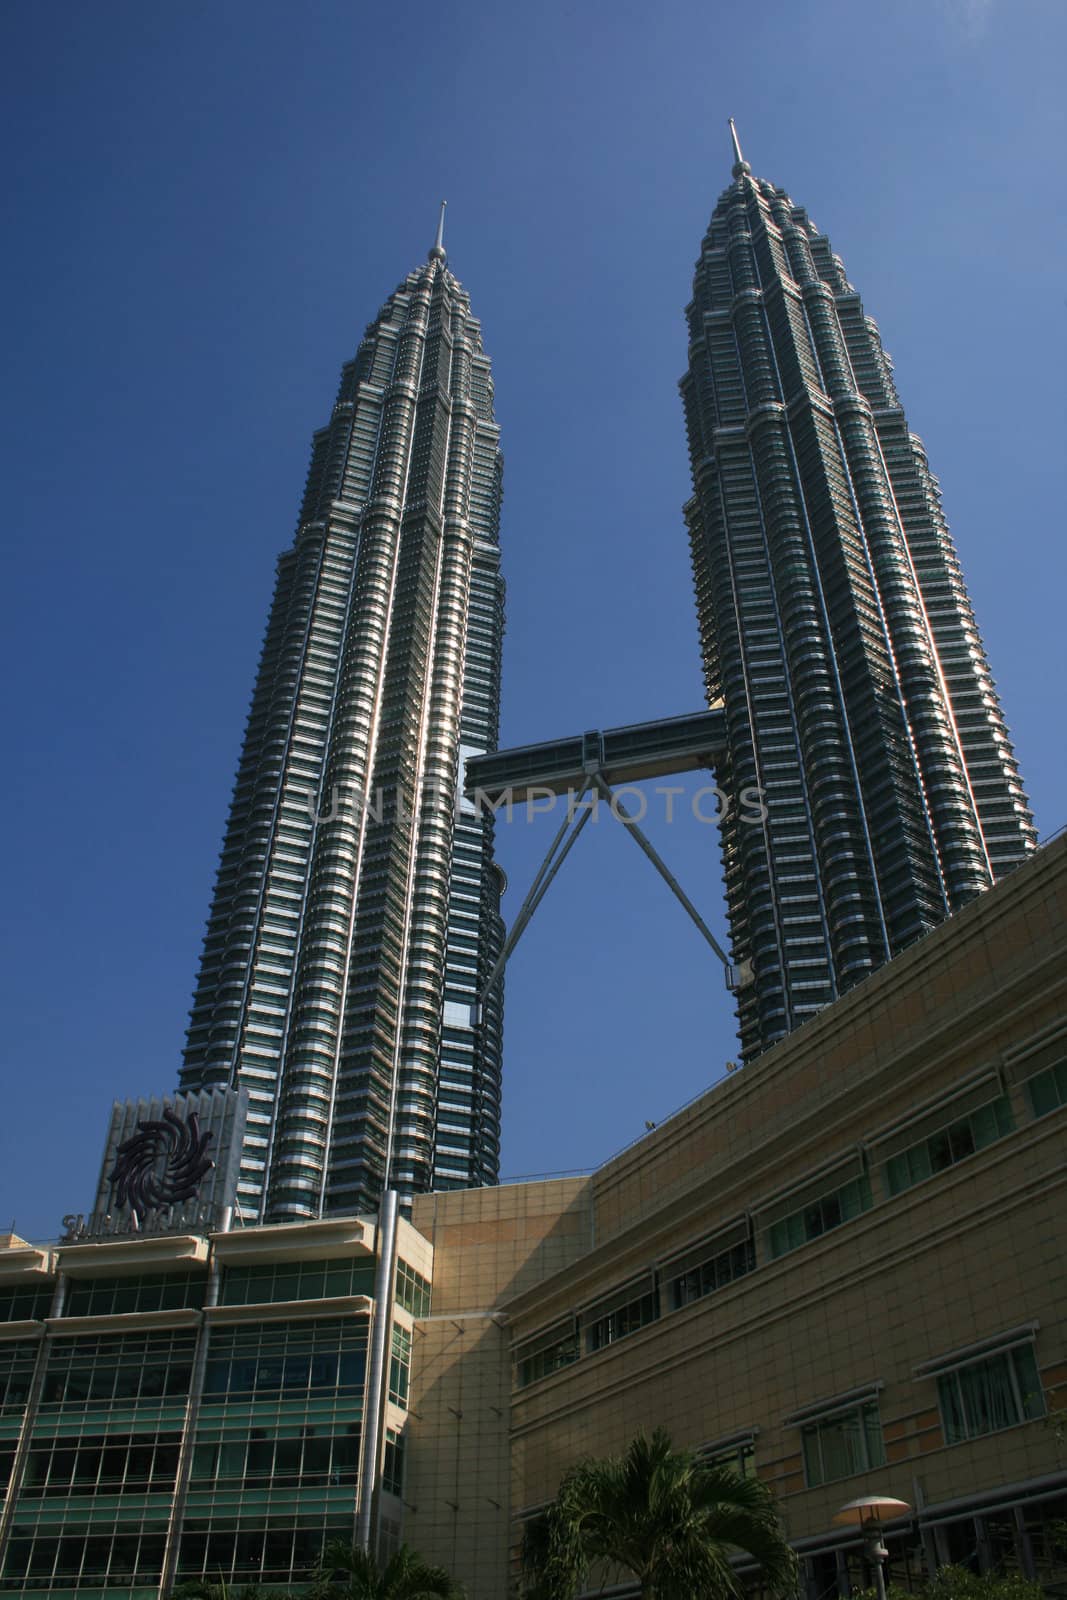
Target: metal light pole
(868, 1515)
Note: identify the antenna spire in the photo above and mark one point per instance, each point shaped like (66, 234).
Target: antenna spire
(438, 251)
(741, 166)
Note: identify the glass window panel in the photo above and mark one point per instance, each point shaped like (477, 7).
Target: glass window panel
(123, 1554)
(961, 1141)
(988, 1395)
(97, 1551)
(287, 1455)
(948, 1393)
(840, 1450)
(316, 1457)
(102, 1382)
(147, 1381)
(68, 1557)
(138, 1464)
(216, 1377)
(270, 1373)
(809, 1439)
(1048, 1090)
(346, 1456)
(242, 1378)
(988, 1398)
(352, 1371)
(872, 1428)
(1029, 1381)
(940, 1150)
(815, 1219)
(843, 1444)
(260, 1455)
(177, 1379)
(323, 1372)
(897, 1174)
(985, 1126)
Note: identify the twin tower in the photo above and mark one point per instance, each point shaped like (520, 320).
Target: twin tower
(356, 914)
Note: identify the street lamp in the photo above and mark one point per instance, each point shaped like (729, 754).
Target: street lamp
(868, 1515)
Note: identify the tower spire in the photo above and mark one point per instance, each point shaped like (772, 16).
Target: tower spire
(741, 166)
(438, 251)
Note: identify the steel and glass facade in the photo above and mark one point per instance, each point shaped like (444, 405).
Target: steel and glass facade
(193, 1406)
(836, 629)
(356, 908)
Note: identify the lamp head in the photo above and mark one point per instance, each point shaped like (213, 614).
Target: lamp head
(872, 1508)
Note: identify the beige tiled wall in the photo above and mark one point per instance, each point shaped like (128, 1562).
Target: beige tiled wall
(970, 1253)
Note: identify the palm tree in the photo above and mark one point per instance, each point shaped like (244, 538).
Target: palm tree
(657, 1513)
(349, 1573)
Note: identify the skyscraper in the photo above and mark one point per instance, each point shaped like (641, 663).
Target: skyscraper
(356, 909)
(835, 626)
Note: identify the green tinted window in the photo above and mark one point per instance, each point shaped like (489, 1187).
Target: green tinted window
(286, 1456)
(1048, 1089)
(562, 1352)
(118, 1370)
(98, 1463)
(297, 1280)
(985, 1396)
(412, 1290)
(400, 1366)
(950, 1144)
(26, 1304)
(623, 1321)
(819, 1217)
(393, 1463)
(84, 1555)
(714, 1273)
(257, 1549)
(286, 1360)
(17, 1362)
(841, 1445)
(154, 1291)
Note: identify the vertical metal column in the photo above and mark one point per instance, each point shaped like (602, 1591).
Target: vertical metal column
(192, 1413)
(375, 1388)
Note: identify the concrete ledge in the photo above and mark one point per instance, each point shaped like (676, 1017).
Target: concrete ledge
(27, 1329)
(125, 1322)
(295, 1241)
(350, 1305)
(125, 1257)
(24, 1263)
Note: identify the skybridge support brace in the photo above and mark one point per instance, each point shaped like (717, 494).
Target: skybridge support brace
(558, 850)
(644, 843)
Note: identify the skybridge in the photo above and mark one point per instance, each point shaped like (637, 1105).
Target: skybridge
(588, 767)
(620, 755)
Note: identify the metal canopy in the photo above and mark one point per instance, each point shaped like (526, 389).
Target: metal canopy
(591, 763)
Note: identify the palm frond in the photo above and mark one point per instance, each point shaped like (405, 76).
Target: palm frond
(662, 1517)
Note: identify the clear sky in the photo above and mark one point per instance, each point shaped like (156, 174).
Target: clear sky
(206, 204)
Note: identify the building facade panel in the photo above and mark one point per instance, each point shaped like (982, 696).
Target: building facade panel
(757, 1269)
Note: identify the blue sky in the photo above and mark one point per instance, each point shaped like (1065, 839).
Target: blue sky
(206, 203)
